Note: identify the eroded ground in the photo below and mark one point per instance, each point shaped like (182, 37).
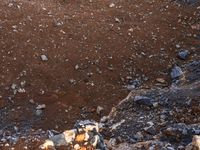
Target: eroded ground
(94, 49)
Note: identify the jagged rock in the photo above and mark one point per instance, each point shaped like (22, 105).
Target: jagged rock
(143, 100)
(85, 135)
(38, 112)
(188, 2)
(150, 130)
(181, 132)
(44, 57)
(161, 80)
(175, 104)
(176, 72)
(183, 54)
(193, 73)
(116, 125)
(104, 119)
(42, 106)
(196, 142)
(99, 110)
(112, 142)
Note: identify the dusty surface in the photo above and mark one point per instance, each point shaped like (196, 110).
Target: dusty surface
(94, 50)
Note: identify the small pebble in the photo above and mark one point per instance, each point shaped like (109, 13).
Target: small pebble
(183, 54)
(44, 57)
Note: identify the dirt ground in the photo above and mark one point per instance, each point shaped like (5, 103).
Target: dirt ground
(94, 49)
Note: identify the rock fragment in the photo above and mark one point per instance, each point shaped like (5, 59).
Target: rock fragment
(183, 54)
(144, 100)
(161, 80)
(85, 135)
(44, 58)
(42, 106)
(176, 72)
(116, 125)
(112, 5)
(99, 110)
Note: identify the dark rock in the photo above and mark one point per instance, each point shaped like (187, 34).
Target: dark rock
(150, 130)
(38, 112)
(135, 83)
(176, 72)
(188, 2)
(143, 100)
(183, 54)
(181, 132)
(193, 71)
(173, 123)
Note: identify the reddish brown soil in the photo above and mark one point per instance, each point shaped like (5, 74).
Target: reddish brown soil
(128, 37)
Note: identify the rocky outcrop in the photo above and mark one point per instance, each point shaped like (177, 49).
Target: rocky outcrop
(85, 135)
(159, 117)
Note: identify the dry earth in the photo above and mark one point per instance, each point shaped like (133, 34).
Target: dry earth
(76, 55)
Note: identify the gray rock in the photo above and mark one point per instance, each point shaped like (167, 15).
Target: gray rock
(176, 72)
(170, 148)
(188, 2)
(42, 106)
(44, 57)
(104, 119)
(130, 87)
(99, 110)
(150, 130)
(143, 100)
(183, 54)
(72, 81)
(112, 142)
(38, 112)
(138, 136)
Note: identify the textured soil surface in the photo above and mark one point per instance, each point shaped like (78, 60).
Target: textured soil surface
(61, 59)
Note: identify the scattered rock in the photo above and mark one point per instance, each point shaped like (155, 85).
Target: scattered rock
(171, 124)
(183, 54)
(112, 142)
(99, 110)
(42, 106)
(161, 80)
(176, 72)
(23, 83)
(31, 101)
(44, 58)
(196, 26)
(77, 67)
(112, 5)
(72, 81)
(104, 119)
(14, 86)
(143, 100)
(136, 82)
(150, 130)
(38, 112)
(188, 2)
(130, 87)
(116, 125)
(85, 136)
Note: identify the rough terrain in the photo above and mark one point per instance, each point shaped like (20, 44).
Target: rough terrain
(64, 60)
(159, 118)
